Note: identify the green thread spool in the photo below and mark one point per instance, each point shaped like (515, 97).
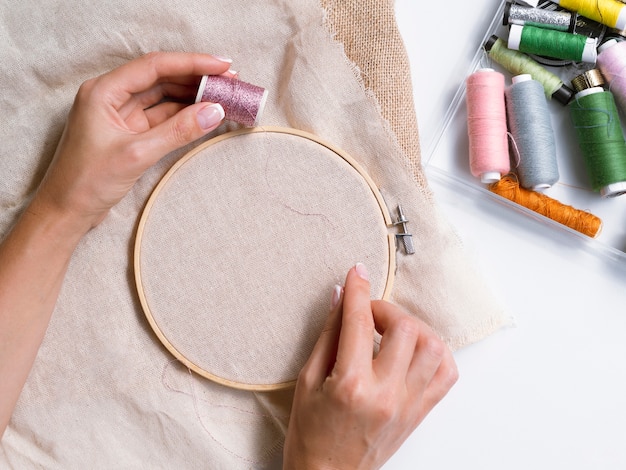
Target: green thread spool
(519, 63)
(601, 140)
(552, 43)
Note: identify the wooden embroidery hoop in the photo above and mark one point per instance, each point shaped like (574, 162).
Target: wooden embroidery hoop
(139, 275)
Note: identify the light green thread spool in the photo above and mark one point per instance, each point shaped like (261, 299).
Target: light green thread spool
(551, 43)
(519, 63)
(601, 140)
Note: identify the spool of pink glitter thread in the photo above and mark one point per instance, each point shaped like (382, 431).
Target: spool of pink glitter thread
(242, 102)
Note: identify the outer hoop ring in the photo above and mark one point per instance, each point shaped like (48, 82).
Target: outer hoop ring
(154, 196)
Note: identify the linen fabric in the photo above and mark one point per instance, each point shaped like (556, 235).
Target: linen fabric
(240, 245)
(104, 392)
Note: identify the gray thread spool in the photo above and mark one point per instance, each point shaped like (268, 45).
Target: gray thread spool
(520, 15)
(533, 137)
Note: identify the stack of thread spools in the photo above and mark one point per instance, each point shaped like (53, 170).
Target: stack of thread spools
(511, 141)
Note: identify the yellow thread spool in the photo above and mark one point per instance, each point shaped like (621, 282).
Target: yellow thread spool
(608, 12)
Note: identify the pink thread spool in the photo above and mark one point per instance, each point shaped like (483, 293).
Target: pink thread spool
(612, 64)
(486, 125)
(242, 102)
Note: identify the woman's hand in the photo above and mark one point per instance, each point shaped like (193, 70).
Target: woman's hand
(352, 408)
(123, 122)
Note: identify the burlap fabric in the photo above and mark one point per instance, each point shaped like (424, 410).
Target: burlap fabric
(375, 47)
(104, 392)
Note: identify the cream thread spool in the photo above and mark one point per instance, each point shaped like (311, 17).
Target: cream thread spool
(242, 102)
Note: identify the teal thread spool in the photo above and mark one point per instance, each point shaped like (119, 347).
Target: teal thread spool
(533, 137)
(601, 140)
(552, 43)
(519, 63)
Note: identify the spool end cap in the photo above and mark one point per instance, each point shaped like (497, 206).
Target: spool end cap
(563, 95)
(491, 42)
(490, 177)
(201, 88)
(261, 107)
(613, 189)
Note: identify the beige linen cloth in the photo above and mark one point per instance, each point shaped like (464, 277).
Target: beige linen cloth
(103, 392)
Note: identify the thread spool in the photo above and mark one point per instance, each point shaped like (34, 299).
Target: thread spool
(612, 64)
(551, 43)
(521, 15)
(519, 63)
(486, 125)
(607, 12)
(588, 27)
(589, 79)
(601, 140)
(242, 102)
(531, 127)
(576, 219)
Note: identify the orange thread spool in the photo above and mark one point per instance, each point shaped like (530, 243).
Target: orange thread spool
(581, 221)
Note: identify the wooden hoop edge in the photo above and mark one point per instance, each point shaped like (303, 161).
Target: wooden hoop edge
(391, 264)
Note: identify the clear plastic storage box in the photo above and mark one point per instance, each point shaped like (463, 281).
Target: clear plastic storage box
(447, 163)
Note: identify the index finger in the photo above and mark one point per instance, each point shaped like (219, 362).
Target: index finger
(356, 339)
(140, 74)
(400, 333)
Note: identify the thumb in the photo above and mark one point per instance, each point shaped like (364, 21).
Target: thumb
(187, 125)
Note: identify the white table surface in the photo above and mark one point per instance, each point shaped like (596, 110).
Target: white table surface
(549, 393)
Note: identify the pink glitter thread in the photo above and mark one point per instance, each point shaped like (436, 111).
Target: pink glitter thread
(242, 102)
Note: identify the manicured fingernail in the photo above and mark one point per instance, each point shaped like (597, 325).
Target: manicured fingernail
(361, 270)
(334, 300)
(224, 59)
(210, 116)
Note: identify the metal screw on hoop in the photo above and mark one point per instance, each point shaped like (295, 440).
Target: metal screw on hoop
(407, 238)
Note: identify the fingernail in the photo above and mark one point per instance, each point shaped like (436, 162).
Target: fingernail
(210, 116)
(224, 59)
(334, 300)
(361, 270)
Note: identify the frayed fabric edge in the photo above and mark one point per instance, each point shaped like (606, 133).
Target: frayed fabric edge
(357, 72)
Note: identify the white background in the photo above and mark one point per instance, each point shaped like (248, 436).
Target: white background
(549, 393)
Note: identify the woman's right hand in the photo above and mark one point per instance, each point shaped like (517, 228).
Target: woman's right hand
(352, 408)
